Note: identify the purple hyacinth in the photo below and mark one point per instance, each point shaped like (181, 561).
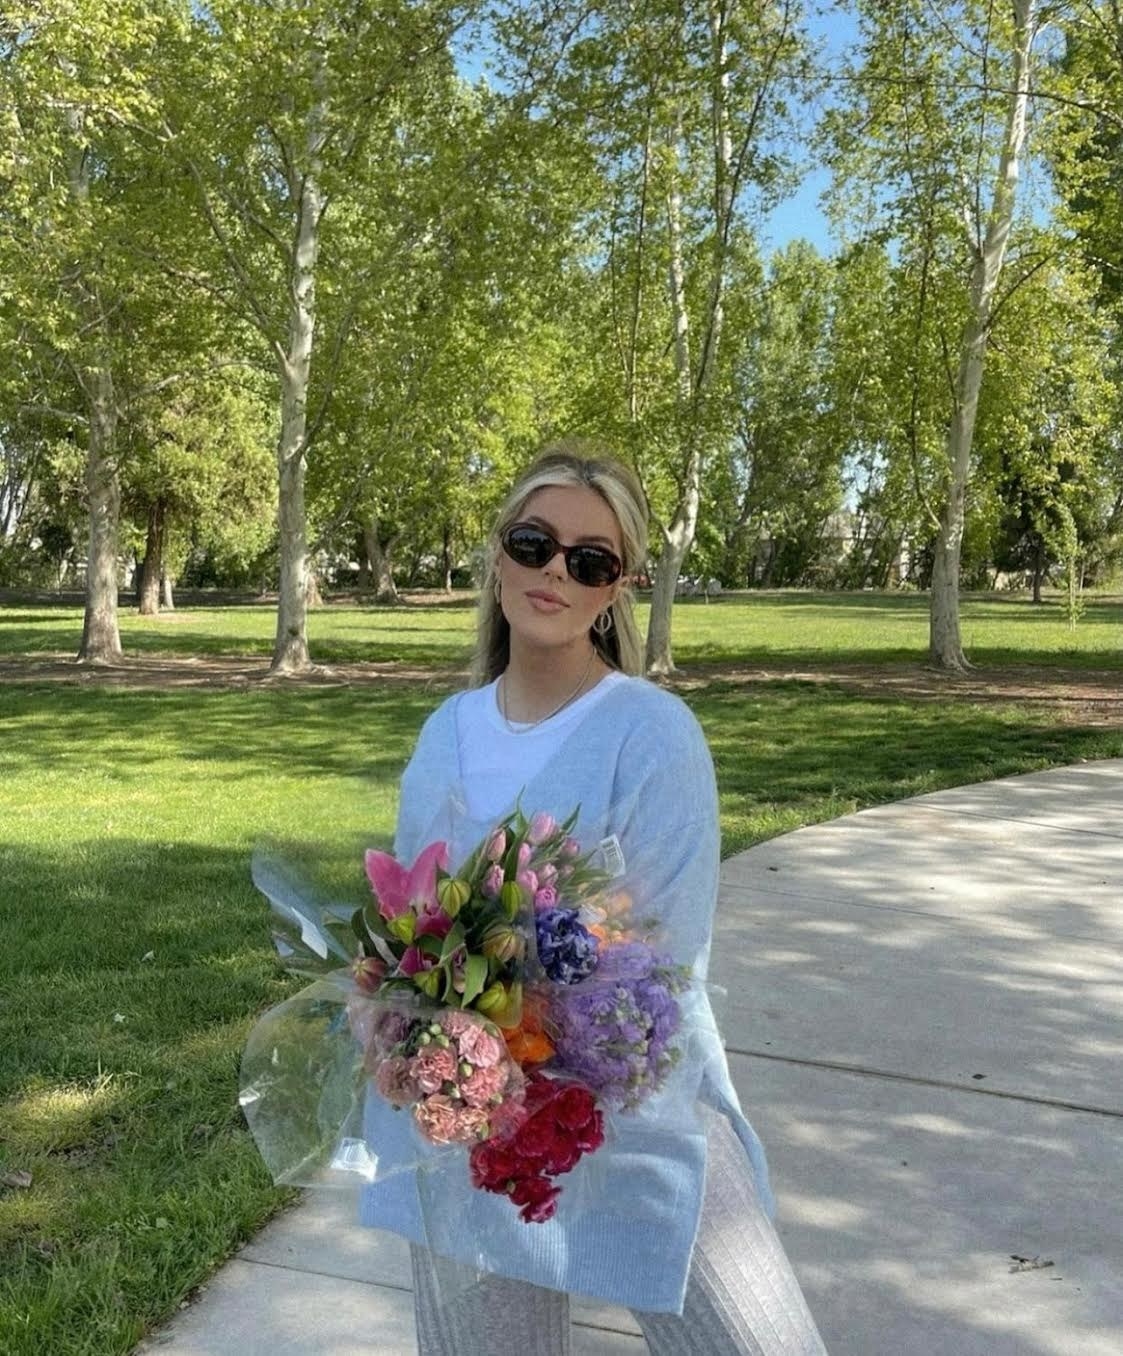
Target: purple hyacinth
(566, 948)
(615, 1030)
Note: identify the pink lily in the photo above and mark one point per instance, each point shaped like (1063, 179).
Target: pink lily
(414, 960)
(433, 922)
(398, 889)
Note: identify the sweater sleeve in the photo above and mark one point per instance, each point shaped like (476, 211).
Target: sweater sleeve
(665, 816)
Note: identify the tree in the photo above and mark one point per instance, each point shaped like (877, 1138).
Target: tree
(936, 117)
(197, 461)
(73, 298)
(286, 120)
(674, 112)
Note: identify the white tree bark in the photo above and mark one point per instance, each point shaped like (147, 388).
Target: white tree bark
(945, 648)
(679, 535)
(290, 648)
(101, 637)
(693, 385)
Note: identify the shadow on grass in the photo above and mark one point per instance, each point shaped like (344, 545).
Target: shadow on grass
(791, 753)
(118, 1083)
(365, 732)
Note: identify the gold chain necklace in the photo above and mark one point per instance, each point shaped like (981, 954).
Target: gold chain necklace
(524, 727)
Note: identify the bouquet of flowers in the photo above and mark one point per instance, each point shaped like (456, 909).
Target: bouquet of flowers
(508, 1006)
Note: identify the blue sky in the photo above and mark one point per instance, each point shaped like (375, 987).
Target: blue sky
(799, 216)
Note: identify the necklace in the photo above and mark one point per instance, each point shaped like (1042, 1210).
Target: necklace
(526, 726)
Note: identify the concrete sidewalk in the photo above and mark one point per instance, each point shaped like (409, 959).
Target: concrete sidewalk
(925, 1024)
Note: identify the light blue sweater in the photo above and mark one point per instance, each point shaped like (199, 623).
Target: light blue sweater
(638, 767)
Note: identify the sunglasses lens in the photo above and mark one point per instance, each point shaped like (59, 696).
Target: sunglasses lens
(527, 546)
(592, 566)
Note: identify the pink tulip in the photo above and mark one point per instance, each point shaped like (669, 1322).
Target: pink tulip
(524, 856)
(497, 846)
(546, 898)
(493, 882)
(529, 881)
(542, 826)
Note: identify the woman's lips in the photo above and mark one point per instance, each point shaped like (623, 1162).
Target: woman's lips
(542, 601)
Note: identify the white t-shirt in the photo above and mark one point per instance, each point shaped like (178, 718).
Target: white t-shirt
(498, 759)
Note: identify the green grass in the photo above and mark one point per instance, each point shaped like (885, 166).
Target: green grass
(137, 952)
(784, 627)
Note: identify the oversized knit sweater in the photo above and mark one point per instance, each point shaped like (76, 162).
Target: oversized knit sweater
(638, 767)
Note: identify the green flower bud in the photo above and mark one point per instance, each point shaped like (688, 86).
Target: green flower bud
(453, 894)
(429, 982)
(402, 927)
(493, 999)
(512, 898)
(502, 943)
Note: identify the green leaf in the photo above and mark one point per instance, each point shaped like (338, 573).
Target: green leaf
(475, 978)
(454, 938)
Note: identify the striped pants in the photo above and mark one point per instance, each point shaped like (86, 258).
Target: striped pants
(742, 1298)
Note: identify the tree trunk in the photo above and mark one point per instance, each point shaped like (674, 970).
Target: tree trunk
(290, 650)
(1038, 570)
(446, 557)
(101, 637)
(679, 536)
(945, 649)
(381, 557)
(362, 583)
(152, 570)
(166, 590)
(677, 540)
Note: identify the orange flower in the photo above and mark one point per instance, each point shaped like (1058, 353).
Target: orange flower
(528, 1043)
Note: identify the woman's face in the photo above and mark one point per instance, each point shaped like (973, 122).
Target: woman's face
(545, 606)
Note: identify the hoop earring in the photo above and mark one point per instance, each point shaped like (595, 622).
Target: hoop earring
(603, 623)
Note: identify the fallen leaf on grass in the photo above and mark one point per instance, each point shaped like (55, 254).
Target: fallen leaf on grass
(1030, 1263)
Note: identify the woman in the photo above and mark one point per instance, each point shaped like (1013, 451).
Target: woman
(671, 1215)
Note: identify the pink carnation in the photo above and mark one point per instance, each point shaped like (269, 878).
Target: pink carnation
(443, 1121)
(394, 1080)
(481, 1048)
(481, 1086)
(433, 1066)
(455, 1023)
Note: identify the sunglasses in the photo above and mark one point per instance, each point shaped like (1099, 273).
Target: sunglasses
(593, 566)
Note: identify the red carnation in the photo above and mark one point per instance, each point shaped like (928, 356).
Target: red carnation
(560, 1122)
(538, 1199)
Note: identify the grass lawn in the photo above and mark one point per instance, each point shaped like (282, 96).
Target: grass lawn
(783, 627)
(138, 952)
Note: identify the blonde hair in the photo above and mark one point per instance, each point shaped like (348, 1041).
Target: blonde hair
(559, 465)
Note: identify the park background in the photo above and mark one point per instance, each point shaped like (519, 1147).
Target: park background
(289, 294)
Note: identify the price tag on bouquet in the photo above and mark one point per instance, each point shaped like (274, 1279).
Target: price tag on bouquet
(609, 856)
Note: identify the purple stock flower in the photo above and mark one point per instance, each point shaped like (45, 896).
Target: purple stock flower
(615, 1030)
(566, 948)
